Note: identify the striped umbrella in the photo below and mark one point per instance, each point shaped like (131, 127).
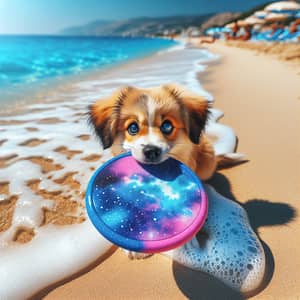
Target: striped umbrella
(276, 17)
(288, 7)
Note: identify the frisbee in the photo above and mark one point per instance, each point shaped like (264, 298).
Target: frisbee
(146, 207)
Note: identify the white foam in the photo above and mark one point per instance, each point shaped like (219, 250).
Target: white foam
(58, 251)
(51, 256)
(232, 252)
(181, 44)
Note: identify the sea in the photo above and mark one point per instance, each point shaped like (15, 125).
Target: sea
(54, 132)
(30, 62)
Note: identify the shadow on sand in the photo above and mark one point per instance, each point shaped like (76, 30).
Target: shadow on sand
(197, 285)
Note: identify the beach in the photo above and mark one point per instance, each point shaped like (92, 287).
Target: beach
(288, 52)
(259, 96)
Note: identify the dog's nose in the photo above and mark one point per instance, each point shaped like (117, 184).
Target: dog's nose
(152, 153)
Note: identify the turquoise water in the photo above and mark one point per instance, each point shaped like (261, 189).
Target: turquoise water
(26, 60)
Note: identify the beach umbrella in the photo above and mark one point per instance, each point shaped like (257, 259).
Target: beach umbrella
(252, 20)
(261, 14)
(289, 7)
(242, 23)
(276, 17)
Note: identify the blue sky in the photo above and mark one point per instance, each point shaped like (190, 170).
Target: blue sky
(49, 16)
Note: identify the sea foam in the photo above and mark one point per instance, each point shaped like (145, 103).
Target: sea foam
(56, 252)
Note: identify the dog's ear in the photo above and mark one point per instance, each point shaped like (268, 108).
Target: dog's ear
(104, 116)
(195, 110)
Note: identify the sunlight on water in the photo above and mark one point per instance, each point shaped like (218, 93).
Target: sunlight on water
(31, 59)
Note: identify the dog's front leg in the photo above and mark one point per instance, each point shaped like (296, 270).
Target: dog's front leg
(136, 255)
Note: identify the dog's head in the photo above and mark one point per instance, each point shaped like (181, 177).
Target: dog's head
(149, 122)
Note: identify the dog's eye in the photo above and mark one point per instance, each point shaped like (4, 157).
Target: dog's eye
(166, 127)
(133, 128)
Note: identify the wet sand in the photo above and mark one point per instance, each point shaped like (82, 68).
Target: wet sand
(260, 97)
(47, 156)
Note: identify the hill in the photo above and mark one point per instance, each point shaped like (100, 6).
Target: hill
(219, 20)
(138, 26)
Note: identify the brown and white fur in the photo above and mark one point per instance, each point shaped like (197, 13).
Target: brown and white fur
(113, 117)
(149, 108)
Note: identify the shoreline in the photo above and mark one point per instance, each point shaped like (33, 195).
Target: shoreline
(39, 92)
(53, 143)
(70, 83)
(158, 277)
(243, 95)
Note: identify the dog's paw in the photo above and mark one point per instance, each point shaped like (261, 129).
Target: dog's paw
(136, 255)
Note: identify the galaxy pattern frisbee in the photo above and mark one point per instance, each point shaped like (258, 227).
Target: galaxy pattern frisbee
(146, 207)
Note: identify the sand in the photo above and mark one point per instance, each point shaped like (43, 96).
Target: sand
(260, 97)
(289, 52)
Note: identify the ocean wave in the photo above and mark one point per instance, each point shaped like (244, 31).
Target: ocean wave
(28, 59)
(57, 134)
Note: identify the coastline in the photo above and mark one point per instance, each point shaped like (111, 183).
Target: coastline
(269, 197)
(52, 143)
(243, 95)
(39, 92)
(58, 91)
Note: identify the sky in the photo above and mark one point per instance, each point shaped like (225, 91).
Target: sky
(50, 16)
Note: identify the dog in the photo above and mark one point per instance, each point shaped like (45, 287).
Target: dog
(154, 124)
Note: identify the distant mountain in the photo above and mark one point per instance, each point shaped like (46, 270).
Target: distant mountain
(138, 26)
(88, 29)
(219, 20)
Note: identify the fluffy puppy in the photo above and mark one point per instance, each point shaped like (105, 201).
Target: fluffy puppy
(154, 124)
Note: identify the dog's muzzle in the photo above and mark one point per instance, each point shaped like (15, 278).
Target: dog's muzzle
(152, 153)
